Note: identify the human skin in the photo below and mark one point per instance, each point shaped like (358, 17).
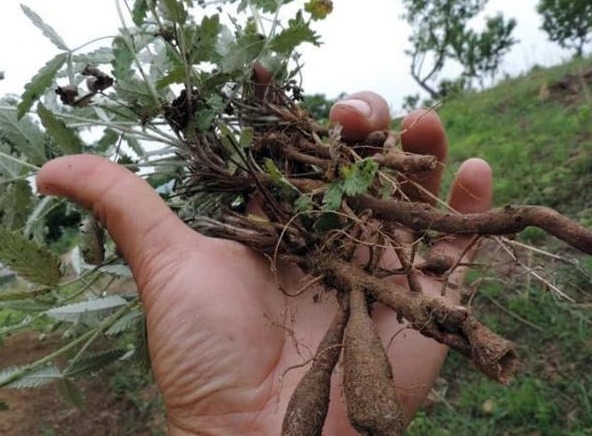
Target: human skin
(220, 332)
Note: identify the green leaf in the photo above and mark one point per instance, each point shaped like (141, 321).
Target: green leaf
(303, 204)
(28, 379)
(64, 137)
(70, 392)
(297, 32)
(89, 312)
(94, 363)
(22, 295)
(24, 136)
(239, 54)
(39, 83)
(139, 11)
(10, 168)
(142, 354)
(47, 30)
(318, 9)
(32, 261)
(126, 322)
(333, 196)
(359, 176)
(176, 75)
(265, 5)
(246, 136)
(175, 11)
(204, 39)
(15, 203)
(123, 59)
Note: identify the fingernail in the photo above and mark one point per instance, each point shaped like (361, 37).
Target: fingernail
(359, 105)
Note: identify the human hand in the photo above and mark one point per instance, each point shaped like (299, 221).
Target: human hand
(220, 332)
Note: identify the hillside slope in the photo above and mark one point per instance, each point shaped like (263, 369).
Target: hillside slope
(536, 132)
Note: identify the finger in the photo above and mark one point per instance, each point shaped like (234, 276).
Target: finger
(136, 217)
(360, 114)
(423, 133)
(471, 192)
(472, 188)
(262, 78)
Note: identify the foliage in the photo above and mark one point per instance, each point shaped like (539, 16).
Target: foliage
(127, 94)
(441, 32)
(567, 22)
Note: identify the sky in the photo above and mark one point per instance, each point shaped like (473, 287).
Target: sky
(363, 46)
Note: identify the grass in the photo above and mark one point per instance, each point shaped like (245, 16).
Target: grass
(539, 144)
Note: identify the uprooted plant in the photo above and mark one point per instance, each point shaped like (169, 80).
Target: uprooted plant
(232, 142)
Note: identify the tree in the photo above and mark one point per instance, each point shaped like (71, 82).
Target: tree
(567, 22)
(441, 33)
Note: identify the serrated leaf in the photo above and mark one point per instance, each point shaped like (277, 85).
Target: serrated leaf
(121, 271)
(28, 379)
(123, 59)
(126, 322)
(176, 75)
(15, 204)
(32, 261)
(318, 9)
(39, 83)
(89, 312)
(359, 176)
(47, 30)
(239, 54)
(70, 392)
(101, 55)
(202, 45)
(303, 204)
(94, 363)
(142, 355)
(175, 11)
(9, 168)
(265, 5)
(22, 295)
(297, 32)
(246, 136)
(139, 11)
(63, 136)
(333, 196)
(24, 135)
(136, 146)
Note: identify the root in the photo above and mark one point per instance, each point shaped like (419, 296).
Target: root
(451, 325)
(309, 403)
(373, 405)
(501, 221)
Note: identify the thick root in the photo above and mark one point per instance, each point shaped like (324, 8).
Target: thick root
(373, 405)
(309, 403)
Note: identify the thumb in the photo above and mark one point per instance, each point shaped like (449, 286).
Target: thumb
(135, 216)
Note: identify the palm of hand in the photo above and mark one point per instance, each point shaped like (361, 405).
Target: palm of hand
(220, 332)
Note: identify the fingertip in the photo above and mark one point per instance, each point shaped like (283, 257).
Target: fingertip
(472, 188)
(361, 113)
(423, 133)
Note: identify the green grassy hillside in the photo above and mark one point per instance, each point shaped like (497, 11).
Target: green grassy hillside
(536, 132)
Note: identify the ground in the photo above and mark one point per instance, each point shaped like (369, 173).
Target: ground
(113, 405)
